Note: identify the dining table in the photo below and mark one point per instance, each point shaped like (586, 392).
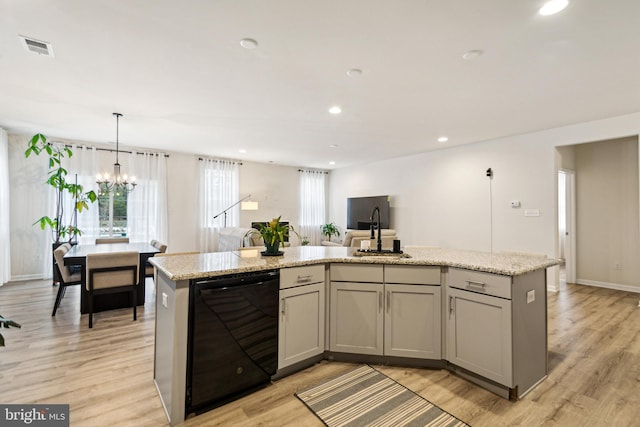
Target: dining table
(77, 255)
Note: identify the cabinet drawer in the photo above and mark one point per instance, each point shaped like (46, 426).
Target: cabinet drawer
(296, 276)
(478, 281)
(412, 274)
(357, 273)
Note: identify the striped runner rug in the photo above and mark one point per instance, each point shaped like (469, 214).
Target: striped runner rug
(366, 397)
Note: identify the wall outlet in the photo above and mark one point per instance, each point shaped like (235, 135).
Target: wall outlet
(531, 296)
(617, 265)
(165, 300)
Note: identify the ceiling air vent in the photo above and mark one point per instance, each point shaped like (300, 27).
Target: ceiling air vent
(37, 46)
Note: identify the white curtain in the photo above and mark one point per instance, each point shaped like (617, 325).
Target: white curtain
(5, 247)
(147, 209)
(312, 204)
(83, 166)
(218, 189)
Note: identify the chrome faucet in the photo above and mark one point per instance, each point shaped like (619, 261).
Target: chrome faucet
(376, 209)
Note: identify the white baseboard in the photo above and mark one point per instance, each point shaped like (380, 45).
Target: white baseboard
(616, 286)
(26, 277)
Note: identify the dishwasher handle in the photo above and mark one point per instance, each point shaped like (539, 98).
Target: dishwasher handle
(238, 281)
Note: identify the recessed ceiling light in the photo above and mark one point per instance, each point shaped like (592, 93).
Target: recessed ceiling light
(335, 110)
(552, 7)
(332, 162)
(471, 55)
(242, 150)
(354, 72)
(248, 43)
(443, 139)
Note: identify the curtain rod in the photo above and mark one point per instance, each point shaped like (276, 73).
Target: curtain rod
(220, 160)
(308, 170)
(113, 151)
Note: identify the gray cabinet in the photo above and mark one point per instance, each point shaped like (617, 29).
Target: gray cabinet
(380, 318)
(479, 334)
(412, 326)
(496, 327)
(356, 318)
(301, 332)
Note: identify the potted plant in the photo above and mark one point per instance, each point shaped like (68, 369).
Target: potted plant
(273, 234)
(304, 240)
(58, 180)
(330, 230)
(6, 323)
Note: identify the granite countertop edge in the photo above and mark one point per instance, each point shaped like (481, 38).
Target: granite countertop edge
(187, 267)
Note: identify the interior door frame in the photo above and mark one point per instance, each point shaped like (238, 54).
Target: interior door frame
(570, 208)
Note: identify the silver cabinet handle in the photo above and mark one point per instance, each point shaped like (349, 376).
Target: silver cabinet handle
(284, 304)
(450, 305)
(305, 278)
(388, 300)
(480, 286)
(380, 301)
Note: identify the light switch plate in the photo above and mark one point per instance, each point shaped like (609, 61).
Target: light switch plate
(165, 300)
(531, 296)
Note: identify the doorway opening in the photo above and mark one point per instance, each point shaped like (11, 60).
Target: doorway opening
(567, 225)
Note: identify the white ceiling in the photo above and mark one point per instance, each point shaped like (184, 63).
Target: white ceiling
(177, 73)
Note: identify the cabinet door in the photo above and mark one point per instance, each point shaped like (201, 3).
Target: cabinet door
(479, 334)
(301, 326)
(412, 322)
(356, 319)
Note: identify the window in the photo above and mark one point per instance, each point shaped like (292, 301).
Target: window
(218, 189)
(113, 214)
(312, 204)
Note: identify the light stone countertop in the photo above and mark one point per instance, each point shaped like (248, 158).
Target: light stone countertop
(197, 266)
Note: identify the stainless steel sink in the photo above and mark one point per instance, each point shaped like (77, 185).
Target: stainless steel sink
(383, 253)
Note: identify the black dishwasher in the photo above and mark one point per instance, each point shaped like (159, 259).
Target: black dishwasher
(232, 339)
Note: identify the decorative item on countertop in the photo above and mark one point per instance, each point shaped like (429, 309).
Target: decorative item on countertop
(273, 234)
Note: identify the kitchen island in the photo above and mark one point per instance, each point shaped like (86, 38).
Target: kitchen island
(483, 314)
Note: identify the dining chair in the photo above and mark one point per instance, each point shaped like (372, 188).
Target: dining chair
(148, 271)
(112, 272)
(66, 276)
(101, 240)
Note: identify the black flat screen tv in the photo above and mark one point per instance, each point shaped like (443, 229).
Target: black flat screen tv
(359, 211)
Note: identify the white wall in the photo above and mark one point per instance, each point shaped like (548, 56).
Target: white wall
(607, 213)
(274, 187)
(444, 198)
(441, 198)
(29, 254)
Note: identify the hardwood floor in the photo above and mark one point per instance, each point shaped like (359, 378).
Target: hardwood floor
(106, 373)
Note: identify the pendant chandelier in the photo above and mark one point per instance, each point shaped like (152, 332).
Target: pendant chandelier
(119, 183)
